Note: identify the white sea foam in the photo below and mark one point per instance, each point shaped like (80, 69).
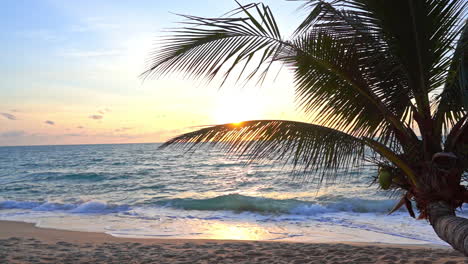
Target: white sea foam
(91, 207)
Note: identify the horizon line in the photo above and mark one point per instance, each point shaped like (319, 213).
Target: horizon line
(85, 144)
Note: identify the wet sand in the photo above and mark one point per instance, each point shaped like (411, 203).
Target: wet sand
(24, 243)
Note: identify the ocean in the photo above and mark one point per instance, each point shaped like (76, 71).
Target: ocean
(138, 190)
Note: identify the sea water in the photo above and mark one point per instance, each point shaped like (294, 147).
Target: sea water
(138, 190)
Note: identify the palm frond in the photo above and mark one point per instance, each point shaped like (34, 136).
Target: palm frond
(453, 101)
(313, 150)
(205, 45)
(366, 62)
(420, 34)
(390, 155)
(386, 80)
(316, 7)
(457, 139)
(334, 83)
(366, 70)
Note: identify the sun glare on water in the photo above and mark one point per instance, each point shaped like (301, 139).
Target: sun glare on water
(237, 232)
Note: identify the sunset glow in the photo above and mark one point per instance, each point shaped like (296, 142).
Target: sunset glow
(237, 108)
(71, 75)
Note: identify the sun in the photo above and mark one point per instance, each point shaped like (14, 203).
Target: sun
(235, 109)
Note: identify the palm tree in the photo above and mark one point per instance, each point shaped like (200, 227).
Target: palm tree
(370, 73)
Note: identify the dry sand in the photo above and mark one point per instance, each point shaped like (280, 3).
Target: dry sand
(24, 243)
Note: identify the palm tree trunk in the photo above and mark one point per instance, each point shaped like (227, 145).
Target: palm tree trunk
(450, 228)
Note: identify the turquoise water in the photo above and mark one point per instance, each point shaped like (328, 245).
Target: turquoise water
(136, 190)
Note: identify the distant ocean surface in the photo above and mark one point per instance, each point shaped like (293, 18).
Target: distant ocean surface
(136, 190)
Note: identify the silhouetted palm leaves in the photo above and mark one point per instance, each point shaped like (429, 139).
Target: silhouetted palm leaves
(367, 72)
(308, 146)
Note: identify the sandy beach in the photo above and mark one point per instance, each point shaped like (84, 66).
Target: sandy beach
(24, 243)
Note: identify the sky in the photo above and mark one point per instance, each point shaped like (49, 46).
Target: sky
(70, 74)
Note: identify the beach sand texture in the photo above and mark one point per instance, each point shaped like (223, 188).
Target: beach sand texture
(24, 243)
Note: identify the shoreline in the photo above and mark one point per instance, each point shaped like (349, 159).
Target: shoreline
(25, 243)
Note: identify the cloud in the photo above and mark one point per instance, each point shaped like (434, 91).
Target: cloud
(105, 110)
(9, 116)
(75, 135)
(80, 127)
(122, 129)
(13, 133)
(49, 122)
(96, 117)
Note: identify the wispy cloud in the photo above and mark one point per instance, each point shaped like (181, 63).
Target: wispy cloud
(49, 122)
(105, 110)
(123, 129)
(75, 135)
(13, 133)
(9, 116)
(96, 117)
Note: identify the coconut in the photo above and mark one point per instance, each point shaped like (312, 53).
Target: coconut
(385, 179)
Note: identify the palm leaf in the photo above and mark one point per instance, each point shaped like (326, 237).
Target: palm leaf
(310, 148)
(457, 141)
(412, 39)
(384, 151)
(420, 34)
(333, 82)
(453, 101)
(208, 45)
(205, 45)
(366, 70)
(377, 98)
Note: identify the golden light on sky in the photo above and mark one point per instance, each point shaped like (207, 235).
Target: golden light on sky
(70, 75)
(238, 106)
